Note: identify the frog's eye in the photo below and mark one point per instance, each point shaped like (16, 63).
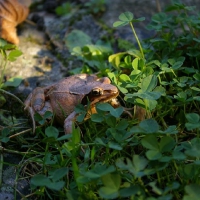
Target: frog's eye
(97, 92)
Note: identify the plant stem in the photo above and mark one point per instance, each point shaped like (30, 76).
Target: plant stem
(138, 41)
(1, 167)
(158, 5)
(22, 132)
(12, 95)
(3, 71)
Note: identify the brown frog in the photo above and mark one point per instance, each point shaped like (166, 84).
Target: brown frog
(61, 98)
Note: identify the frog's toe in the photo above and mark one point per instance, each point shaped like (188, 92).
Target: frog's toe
(31, 112)
(68, 127)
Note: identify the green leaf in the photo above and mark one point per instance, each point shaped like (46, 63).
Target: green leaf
(51, 132)
(192, 118)
(100, 141)
(130, 191)
(138, 19)
(108, 193)
(149, 83)
(103, 170)
(150, 104)
(12, 56)
(40, 180)
(148, 95)
(136, 166)
(111, 186)
(177, 65)
(13, 82)
(126, 16)
(114, 145)
(64, 137)
(112, 180)
(99, 170)
(97, 117)
(194, 148)
(193, 121)
(115, 59)
(48, 115)
(149, 126)
(155, 188)
(161, 90)
(50, 159)
(122, 125)
(125, 78)
(59, 173)
(136, 53)
(39, 118)
(166, 144)
(80, 117)
(77, 38)
(5, 139)
(171, 186)
(76, 136)
(117, 112)
(56, 185)
(170, 130)
(119, 24)
(177, 155)
(195, 89)
(189, 171)
(104, 107)
(153, 154)
(191, 126)
(3, 42)
(92, 175)
(150, 142)
(64, 9)
(5, 132)
(192, 191)
(135, 63)
(139, 162)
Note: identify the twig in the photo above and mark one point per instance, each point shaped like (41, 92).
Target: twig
(12, 95)
(30, 22)
(22, 132)
(13, 151)
(158, 5)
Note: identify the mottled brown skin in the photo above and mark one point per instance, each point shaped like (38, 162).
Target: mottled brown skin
(64, 96)
(12, 13)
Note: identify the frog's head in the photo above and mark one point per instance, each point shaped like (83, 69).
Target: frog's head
(101, 91)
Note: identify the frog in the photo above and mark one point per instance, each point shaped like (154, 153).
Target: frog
(62, 97)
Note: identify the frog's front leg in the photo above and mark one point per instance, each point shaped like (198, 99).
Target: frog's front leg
(35, 99)
(38, 99)
(68, 122)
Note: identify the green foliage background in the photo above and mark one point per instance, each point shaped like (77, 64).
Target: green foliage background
(118, 156)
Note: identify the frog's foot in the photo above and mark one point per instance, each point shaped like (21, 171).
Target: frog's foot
(68, 122)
